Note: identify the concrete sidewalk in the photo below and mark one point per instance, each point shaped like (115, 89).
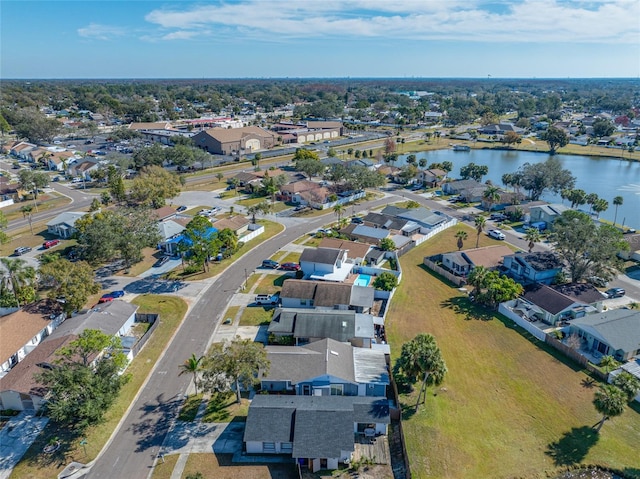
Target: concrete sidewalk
(16, 437)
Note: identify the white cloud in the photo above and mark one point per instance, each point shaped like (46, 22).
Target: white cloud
(100, 32)
(539, 21)
(182, 35)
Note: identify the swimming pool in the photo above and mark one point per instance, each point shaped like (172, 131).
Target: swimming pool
(362, 280)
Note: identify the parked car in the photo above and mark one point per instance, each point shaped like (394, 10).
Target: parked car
(117, 293)
(290, 266)
(496, 234)
(76, 180)
(161, 261)
(597, 281)
(269, 263)
(50, 243)
(181, 208)
(266, 299)
(21, 250)
(615, 293)
(111, 296)
(56, 178)
(498, 216)
(357, 220)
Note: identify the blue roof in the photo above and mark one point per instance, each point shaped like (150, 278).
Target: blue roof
(182, 238)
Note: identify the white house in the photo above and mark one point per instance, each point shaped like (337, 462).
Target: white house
(325, 264)
(63, 225)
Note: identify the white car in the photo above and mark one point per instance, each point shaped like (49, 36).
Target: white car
(496, 234)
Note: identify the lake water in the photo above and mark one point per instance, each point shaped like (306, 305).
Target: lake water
(607, 177)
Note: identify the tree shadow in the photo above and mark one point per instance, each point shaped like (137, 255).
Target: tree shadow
(631, 472)
(573, 446)
(588, 383)
(158, 416)
(463, 306)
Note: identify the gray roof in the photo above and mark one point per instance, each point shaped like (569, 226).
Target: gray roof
(169, 228)
(325, 293)
(321, 255)
(540, 260)
(68, 218)
(552, 210)
(322, 426)
(362, 296)
(370, 366)
(385, 221)
(340, 325)
(619, 328)
(370, 232)
(302, 363)
(106, 317)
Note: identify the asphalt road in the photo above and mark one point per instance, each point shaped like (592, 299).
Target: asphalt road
(133, 448)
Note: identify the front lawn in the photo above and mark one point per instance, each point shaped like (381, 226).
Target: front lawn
(271, 283)
(508, 407)
(36, 465)
(222, 407)
(220, 466)
(256, 316)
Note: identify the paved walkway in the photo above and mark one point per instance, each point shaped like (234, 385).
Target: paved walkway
(16, 437)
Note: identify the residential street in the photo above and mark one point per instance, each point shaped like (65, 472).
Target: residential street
(134, 447)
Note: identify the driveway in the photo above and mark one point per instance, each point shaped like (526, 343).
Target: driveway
(16, 437)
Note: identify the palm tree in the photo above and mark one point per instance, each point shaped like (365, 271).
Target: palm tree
(628, 384)
(532, 236)
(491, 195)
(591, 199)
(192, 366)
(617, 201)
(235, 183)
(480, 222)
(338, 210)
(599, 206)
(26, 213)
(17, 274)
(609, 401)
(461, 236)
(478, 278)
(608, 363)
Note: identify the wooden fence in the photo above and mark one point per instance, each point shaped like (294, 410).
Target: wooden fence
(430, 262)
(575, 356)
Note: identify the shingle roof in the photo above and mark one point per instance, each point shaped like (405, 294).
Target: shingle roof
(547, 298)
(303, 363)
(225, 135)
(169, 228)
(107, 317)
(309, 323)
(21, 378)
(487, 256)
(584, 292)
(389, 222)
(17, 329)
(370, 232)
(234, 223)
(619, 328)
(321, 255)
(354, 249)
(322, 425)
(68, 218)
(540, 260)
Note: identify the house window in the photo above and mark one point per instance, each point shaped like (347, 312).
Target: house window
(337, 389)
(306, 389)
(286, 447)
(268, 447)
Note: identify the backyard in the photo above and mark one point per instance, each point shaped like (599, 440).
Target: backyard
(508, 407)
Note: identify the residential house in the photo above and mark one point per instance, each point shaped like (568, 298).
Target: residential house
(535, 267)
(365, 234)
(19, 388)
(470, 190)
(325, 264)
(633, 253)
(238, 224)
(555, 304)
(84, 168)
(375, 257)
(422, 216)
(22, 149)
(309, 325)
(165, 213)
(318, 431)
(505, 198)
(547, 213)
(610, 333)
(525, 208)
(500, 129)
(326, 368)
(63, 225)
(171, 246)
(356, 252)
(390, 172)
(23, 330)
(169, 230)
(632, 367)
(462, 263)
(298, 293)
(234, 141)
(385, 221)
(361, 162)
(293, 192)
(432, 178)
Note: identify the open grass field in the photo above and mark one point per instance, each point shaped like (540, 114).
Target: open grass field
(35, 465)
(508, 406)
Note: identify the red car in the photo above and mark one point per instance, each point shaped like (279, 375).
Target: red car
(106, 299)
(50, 243)
(290, 266)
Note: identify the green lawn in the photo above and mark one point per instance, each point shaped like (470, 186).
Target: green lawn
(256, 316)
(190, 408)
(271, 283)
(508, 406)
(35, 465)
(222, 407)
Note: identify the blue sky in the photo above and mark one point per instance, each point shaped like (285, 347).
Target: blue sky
(319, 38)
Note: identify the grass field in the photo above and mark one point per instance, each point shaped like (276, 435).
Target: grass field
(508, 407)
(256, 316)
(35, 465)
(271, 283)
(219, 466)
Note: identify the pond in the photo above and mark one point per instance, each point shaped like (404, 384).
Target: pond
(607, 177)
